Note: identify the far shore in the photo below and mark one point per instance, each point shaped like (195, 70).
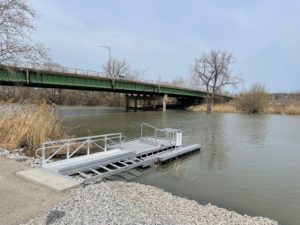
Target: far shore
(289, 109)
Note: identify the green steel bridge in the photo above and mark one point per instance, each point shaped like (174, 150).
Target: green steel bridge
(69, 78)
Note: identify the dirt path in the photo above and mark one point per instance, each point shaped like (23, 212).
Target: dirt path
(21, 200)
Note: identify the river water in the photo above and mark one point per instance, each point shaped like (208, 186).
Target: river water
(250, 164)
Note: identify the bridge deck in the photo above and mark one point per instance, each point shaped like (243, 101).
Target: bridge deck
(66, 78)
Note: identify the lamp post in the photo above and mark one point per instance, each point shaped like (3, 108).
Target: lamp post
(108, 48)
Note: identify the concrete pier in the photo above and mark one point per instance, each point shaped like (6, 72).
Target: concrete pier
(165, 98)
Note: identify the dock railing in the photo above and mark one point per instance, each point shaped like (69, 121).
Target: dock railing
(70, 148)
(149, 132)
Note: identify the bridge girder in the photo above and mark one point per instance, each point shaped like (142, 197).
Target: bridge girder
(13, 76)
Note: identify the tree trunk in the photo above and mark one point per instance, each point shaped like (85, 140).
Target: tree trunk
(209, 103)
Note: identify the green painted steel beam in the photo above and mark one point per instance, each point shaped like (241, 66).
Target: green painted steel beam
(48, 79)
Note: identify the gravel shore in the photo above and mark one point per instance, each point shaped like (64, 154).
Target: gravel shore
(19, 156)
(115, 202)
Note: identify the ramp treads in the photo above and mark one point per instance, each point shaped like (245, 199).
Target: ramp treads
(121, 168)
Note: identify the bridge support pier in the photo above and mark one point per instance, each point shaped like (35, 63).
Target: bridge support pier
(127, 102)
(165, 98)
(144, 102)
(135, 104)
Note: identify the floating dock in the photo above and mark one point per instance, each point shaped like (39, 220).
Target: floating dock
(92, 158)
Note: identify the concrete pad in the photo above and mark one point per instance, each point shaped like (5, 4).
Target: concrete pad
(50, 180)
(21, 200)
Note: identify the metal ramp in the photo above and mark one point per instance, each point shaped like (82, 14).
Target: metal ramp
(97, 166)
(98, 172)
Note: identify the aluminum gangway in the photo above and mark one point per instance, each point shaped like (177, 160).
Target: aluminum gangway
(87, 159)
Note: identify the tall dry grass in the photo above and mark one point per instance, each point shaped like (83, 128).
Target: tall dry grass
(291, 109)
(224, 107)
(27, 126)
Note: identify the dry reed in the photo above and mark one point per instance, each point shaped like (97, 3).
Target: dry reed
(27, 126)
(225, 108)
(291, 109)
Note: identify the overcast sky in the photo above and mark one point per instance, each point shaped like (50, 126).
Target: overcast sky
(163, 37)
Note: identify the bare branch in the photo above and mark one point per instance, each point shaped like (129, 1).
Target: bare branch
(117, 68)
(16, 28)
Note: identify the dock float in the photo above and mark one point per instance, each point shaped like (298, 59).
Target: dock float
(93, 158)
(167, 156)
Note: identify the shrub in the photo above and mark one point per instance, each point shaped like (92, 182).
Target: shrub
(253, 100)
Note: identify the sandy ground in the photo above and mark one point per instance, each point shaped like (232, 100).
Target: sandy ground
(21, 200)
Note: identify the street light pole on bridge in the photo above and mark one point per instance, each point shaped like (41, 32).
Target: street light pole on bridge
(108, 48)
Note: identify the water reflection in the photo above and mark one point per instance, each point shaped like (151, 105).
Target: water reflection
(251, 130)
(215, 146)
(250, 164)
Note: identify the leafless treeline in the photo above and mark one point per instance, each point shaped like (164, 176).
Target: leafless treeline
(60, 97)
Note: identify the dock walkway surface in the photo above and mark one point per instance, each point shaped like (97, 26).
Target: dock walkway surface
(21, 200)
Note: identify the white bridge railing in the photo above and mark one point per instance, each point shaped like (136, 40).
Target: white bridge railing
(68, 148)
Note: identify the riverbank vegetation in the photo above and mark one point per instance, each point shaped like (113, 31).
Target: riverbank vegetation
(27, 126)
(60, 96)
(270, 107)
(257, 100)
(290, 109)
(221, 107)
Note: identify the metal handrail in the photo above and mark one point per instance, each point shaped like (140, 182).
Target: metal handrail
(80, 138)
(147, 125)
(77, 143)
(156, 130)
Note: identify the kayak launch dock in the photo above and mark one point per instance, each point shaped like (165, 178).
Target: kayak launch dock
(87, 159)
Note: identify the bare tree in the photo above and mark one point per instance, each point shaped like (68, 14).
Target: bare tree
(136, 75)
(16, 28)
(214, 72)
(116, 68)
(121, 69)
